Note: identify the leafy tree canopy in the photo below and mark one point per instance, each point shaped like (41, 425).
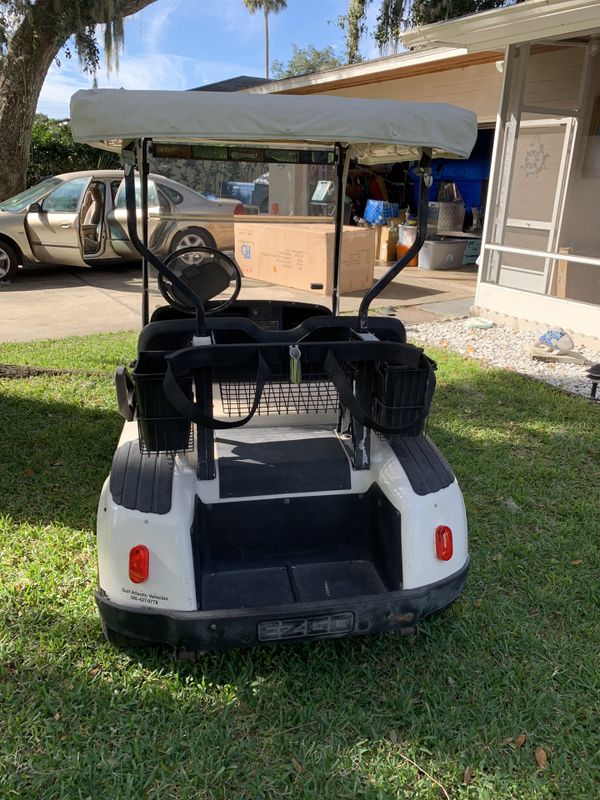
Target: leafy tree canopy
(53, 151)
(305, 60)
(32, 34)
(397, 15)
(77, 17)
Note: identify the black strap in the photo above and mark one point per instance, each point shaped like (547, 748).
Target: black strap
(191, 411)
(340, 381)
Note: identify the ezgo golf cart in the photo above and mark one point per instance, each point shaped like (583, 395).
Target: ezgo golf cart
(274, 480)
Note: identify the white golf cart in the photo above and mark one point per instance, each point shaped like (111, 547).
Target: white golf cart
(273, 480)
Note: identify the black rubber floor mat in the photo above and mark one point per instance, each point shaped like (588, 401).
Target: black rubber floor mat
(248, 588)
(336, 580)
(260, 462)
(300, 583)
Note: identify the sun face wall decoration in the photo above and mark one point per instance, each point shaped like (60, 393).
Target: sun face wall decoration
(534, 158)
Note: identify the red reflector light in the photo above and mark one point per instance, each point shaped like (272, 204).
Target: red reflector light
(443, 543)
(139, 563)
(239, 209)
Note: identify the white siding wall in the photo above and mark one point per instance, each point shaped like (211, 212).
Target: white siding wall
(476, 88)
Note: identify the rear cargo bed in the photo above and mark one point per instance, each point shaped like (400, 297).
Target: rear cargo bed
(276, 551)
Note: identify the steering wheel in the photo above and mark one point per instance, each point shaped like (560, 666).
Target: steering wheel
(206, 271)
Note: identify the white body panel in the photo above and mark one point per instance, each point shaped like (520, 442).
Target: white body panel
(171, 580)
(167, 536)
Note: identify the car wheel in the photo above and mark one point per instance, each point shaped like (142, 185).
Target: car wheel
(192, 237)
(8, 261)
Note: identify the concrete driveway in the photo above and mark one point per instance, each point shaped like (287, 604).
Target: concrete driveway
(49, 303)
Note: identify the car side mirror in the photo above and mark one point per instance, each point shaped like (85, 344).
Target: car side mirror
(35, 207)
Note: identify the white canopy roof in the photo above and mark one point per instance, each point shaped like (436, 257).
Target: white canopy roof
(376, 130)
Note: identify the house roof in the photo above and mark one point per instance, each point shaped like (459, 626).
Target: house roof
(533, 20)
(237, 84)
(463, 42)
(400, 65)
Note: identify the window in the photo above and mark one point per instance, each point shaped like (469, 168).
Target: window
(171, 194)
(66, 197)
(114, 188)
(152, 198)
(24, 199)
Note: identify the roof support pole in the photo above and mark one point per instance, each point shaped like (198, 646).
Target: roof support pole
(425, 182)
(343, 162)
(142, 159)
(129, 152)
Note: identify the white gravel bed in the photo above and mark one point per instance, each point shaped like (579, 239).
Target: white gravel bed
(508, 349)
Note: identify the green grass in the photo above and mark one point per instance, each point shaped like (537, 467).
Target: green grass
(516, 654)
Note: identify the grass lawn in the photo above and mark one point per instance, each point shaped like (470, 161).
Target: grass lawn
(516, 656)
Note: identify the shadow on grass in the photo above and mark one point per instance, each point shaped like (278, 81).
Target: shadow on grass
(55, 455)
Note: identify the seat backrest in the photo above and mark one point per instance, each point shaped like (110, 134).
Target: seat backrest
(92, 211)
(174, 334)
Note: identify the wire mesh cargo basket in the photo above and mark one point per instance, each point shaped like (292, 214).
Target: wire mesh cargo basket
(315, 394)
(161, 428)
(400, 397)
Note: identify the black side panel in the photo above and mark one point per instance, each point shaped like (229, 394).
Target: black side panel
(254, 462)
(426, 468)
(141, 482)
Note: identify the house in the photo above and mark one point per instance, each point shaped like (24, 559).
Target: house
(531, 72)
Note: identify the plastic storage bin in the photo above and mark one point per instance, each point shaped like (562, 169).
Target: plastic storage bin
(441, 254)
(472, 251)
(407, 235)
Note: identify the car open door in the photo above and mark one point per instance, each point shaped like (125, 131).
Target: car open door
(117, 219)
(54, 225)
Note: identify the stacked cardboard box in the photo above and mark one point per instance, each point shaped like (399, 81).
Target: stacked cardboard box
(300, 255)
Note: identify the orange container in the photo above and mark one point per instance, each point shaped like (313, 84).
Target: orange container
(404, 248)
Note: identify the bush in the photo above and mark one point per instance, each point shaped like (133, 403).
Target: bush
(53, 151)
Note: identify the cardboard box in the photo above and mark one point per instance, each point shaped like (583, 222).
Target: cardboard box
(387, 244)
(378, 229)
(573, 281)
(301, 255)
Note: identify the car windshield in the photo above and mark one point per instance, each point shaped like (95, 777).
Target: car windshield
(23, 199)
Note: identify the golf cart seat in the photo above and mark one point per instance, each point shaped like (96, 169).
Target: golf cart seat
(172, 334)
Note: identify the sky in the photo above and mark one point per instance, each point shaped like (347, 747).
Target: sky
(180, 44)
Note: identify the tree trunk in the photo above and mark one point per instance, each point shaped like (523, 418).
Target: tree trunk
(33, 46)
(267, 41)
(23, 72)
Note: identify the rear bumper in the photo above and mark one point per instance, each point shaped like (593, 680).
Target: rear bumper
(231, 628)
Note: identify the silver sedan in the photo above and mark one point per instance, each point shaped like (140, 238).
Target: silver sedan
(79, 219)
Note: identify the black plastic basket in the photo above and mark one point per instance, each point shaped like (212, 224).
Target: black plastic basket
(400, 397)
(161, 428)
